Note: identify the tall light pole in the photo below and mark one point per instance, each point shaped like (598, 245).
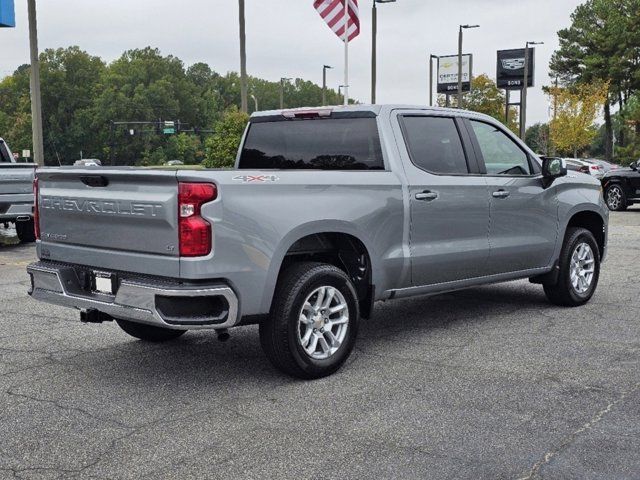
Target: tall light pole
(340, 87)
(324, 83)
(243, 60)
(36, 99)
(374, 46)
(462, 27)
(431, 59)
(283, 80)
(525, 86)
(255, 102)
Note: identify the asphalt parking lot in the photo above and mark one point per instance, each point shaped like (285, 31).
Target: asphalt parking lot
(492, 382)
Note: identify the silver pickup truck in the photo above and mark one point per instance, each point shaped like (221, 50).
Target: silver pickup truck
(326, 212)
(16, 194)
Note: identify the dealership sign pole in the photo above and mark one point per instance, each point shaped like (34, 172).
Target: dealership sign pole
(36, 99)
(515, 71)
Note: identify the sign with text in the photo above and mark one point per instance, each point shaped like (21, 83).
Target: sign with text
(448, 73)
(511, 69)
(7, 14)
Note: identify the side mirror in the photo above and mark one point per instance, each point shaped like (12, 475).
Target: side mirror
(634, 165)
(553, 167)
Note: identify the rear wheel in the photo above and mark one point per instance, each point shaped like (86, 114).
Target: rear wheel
(149, 333)
(313, 324)
(616, 198)
(26, 232)
(579, 270)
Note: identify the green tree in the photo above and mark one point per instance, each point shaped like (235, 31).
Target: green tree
(573, 126)
(222, 147)
(602, 45)
(538, 139)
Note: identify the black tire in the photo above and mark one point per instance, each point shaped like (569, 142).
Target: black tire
(563, 292)
(280, 332)
(26, 232)
(615, 198)
(149, 333)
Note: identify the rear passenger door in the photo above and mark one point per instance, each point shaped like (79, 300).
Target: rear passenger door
(449, 203)
(524, 214)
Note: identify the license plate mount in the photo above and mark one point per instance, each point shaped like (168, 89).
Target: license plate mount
(103, 283)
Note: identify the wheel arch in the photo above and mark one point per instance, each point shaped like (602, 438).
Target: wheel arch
(335, 242)
(593, 221)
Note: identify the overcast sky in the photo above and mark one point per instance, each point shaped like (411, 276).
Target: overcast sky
(287, 38)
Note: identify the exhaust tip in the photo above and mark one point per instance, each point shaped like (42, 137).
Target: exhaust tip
(23, 218)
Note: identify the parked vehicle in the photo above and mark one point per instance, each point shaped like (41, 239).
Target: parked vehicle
(88, 162)
(585, 166)
(173, 163)
(16, 194)
(326, 212)
(622, 187)
(604, 165)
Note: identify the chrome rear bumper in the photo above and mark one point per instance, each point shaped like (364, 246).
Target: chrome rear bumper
(142, 300)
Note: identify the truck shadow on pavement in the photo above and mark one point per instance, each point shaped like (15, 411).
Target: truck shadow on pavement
(198, 359)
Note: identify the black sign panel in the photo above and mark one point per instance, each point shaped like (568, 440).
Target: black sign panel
(511, 68)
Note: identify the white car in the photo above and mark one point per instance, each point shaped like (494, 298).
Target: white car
(585, 166)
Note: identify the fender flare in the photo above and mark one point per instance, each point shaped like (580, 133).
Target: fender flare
(304, 230)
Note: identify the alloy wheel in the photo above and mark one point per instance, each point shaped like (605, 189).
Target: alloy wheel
(323, 322)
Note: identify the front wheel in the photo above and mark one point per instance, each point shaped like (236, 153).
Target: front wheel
(616, 198)
(579, 270)
(149, 333)
(313, 324)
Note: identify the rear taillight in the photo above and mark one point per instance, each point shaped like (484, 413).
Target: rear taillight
(194, 231)
(36, 210)
(594, 167)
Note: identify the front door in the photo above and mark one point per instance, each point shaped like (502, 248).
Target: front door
(448, 201)
(524, 215)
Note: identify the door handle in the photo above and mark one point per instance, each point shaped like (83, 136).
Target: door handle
(501, 194)
(427, 196)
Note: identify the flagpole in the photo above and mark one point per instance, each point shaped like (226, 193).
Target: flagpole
(346, 52)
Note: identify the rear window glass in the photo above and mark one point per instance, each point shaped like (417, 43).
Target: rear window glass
(323, 144)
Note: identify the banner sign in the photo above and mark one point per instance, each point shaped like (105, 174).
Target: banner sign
(511, 69)
(7, 14)
(448, 73)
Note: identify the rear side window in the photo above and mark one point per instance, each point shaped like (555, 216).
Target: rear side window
(434, 144)
(5, 156)
(321, 144)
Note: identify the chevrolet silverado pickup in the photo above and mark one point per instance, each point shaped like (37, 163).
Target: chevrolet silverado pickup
(326, 212)
(16, 194)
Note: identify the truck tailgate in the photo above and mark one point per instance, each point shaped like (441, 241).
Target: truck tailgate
(120, 219)
(16, 178)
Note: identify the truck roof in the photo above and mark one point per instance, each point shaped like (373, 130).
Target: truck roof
(375, 109)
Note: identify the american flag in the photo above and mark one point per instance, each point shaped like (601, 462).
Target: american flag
(332, 12)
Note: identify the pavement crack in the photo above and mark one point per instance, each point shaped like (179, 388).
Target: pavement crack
(573, 436)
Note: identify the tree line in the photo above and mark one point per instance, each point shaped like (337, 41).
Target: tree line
(600, 50)
(82, 95)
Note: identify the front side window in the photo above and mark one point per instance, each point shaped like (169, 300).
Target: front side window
(502, 156)
(320, 144)
(434, 144)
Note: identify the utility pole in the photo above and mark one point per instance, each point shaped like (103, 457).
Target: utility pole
(36, 99)
(243, 60)
(283, 80)
(324, 84)
(525, 86)
(460, 97)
